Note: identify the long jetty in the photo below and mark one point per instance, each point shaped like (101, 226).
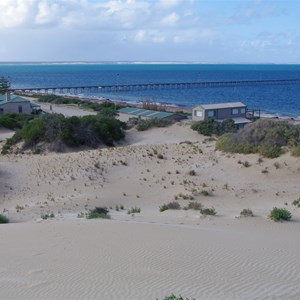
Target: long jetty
(152, 86)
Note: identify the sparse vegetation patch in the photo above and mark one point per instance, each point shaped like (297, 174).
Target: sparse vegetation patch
(296, 202)
(173, 297)
(246, 212)
(208, 211)
(134, 210)
(194, 205)
(170, 205)
(142, 124)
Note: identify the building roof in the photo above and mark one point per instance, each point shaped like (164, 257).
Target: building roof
(145, 112)
(222, 105)
(13, 99)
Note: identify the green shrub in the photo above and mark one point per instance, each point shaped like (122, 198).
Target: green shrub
(208, 211)
(3, 219)
(279, 214)
(134, 210)
(34, 132)
(246, 212)
(163, 207)
(296, 202)
(98, 212)
(205, 193)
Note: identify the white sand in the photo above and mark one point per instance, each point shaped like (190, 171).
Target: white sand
(126, 260)
(152, 254)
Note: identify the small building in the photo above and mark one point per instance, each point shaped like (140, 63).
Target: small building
(10, 103)
(236, 111)
(150, 114)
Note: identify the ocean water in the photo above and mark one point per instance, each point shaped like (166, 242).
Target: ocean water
(281, 100)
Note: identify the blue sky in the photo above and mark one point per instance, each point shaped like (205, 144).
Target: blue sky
(212, 31)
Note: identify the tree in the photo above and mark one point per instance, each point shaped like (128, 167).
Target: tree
(4, 85)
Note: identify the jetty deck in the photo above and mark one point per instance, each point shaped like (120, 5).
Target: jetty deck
(152, 86)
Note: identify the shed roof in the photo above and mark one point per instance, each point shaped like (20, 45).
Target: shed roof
(145, 112)
(13, 99)
(222, 105)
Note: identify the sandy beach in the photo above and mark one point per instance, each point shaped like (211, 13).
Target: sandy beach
(151, 254)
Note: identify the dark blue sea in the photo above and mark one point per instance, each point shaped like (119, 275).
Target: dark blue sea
(281, 100)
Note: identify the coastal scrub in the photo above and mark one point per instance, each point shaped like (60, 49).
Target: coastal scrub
(265, 137)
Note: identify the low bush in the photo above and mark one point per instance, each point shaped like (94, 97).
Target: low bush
(279, 214)
(15, 121)
(296, 202)
(246, 212)
(142, 125)
(265, 137)
(211, 127)
(163, 207)
(270, 151)
(134, 210)
(194, 205)
(48, 216)
(10, 142)
(246, 164)
(98, 212)
(183, 196)
(296, 151)
(170, 205)
(56, 130)
(3, 219)
(192, 173)
(208, 211)
(173, 297)
(205, 193)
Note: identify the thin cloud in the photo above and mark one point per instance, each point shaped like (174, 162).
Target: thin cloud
(254, 10)
(166, 4)
(171, 19)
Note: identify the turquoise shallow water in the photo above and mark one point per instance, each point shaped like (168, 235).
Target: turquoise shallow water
(271, 99)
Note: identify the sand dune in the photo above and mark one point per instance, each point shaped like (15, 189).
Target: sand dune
(152, 254)
(124, 260)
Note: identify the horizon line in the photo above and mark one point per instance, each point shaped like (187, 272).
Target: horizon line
(143, 62)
